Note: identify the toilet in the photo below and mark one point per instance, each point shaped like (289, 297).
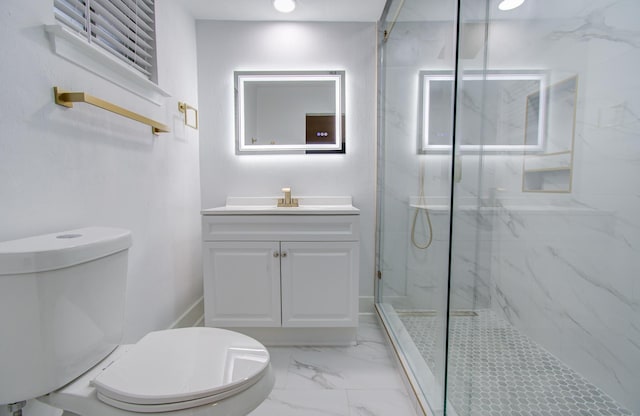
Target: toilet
(61, 319)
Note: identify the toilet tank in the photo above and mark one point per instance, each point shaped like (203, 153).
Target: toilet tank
(61, 307)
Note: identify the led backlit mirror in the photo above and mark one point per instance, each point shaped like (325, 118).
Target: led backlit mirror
(289, 112)
(504, 100)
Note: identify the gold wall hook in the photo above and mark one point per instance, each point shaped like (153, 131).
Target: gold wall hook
(184, 109)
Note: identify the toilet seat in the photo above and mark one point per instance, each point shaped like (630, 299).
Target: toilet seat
(171, 407)
(202, 371)
(181, 368)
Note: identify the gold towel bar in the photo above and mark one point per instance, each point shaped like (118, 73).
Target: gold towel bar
(67, 99)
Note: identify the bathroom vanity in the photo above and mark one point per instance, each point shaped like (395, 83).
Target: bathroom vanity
(285, 275)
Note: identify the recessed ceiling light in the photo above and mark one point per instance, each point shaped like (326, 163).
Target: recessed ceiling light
(510, 4)
(284, 6)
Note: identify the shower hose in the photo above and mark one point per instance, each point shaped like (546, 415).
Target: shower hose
(422, 207)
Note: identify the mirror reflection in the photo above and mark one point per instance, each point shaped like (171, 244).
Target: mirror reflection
(289, 112)
(501, 126)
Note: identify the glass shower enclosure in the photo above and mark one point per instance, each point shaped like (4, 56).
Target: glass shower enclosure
(509, 204)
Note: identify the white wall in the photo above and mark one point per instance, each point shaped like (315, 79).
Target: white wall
(224, 47)
(67, 168)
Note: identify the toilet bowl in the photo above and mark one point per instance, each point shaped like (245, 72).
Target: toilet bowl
(189, 371)
(61, 302)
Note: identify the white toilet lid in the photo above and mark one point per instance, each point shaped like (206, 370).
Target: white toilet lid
(183, 365)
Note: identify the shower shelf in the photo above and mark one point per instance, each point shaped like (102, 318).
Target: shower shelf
(552, 169)
(514, 205)
(430, 207)
(547, 172)
(549, 179)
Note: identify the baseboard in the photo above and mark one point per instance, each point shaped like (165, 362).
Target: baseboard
(365, 305)
(298, 337)
(194, 316)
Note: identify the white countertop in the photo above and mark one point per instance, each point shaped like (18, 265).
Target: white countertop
(308, 205)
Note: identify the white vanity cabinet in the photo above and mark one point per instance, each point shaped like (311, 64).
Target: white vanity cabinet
(319, 283)
(241, 283)
(272, 275)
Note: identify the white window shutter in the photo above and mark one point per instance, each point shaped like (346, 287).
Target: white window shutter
(123, 28)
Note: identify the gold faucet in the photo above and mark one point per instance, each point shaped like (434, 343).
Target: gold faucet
(287, 201)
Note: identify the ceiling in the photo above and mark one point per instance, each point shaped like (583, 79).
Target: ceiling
(306, 10)
(370, 10)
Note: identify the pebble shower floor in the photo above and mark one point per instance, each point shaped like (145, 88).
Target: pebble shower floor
(497, 371)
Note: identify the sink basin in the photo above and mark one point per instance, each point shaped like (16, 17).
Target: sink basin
(311, 205)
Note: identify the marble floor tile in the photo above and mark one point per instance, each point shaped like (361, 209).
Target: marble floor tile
(380, 403)
(340, 368)
(304, 403)
(369, 330)
(361, 380)
(280, 360)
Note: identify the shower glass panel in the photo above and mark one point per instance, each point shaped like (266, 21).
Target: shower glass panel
(508, 225)
(545, 239)
(414, 190)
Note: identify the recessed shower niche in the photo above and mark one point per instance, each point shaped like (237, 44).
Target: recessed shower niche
(551, 169)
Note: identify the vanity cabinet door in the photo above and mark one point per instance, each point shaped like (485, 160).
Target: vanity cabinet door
(242, 283)
(319, 284)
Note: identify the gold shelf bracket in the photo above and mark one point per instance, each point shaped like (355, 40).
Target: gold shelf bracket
(184, 109)
(66, 99)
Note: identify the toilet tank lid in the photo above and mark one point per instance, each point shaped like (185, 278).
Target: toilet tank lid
(62, 249)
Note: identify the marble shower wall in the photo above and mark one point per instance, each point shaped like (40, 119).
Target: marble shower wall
(564, 267)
